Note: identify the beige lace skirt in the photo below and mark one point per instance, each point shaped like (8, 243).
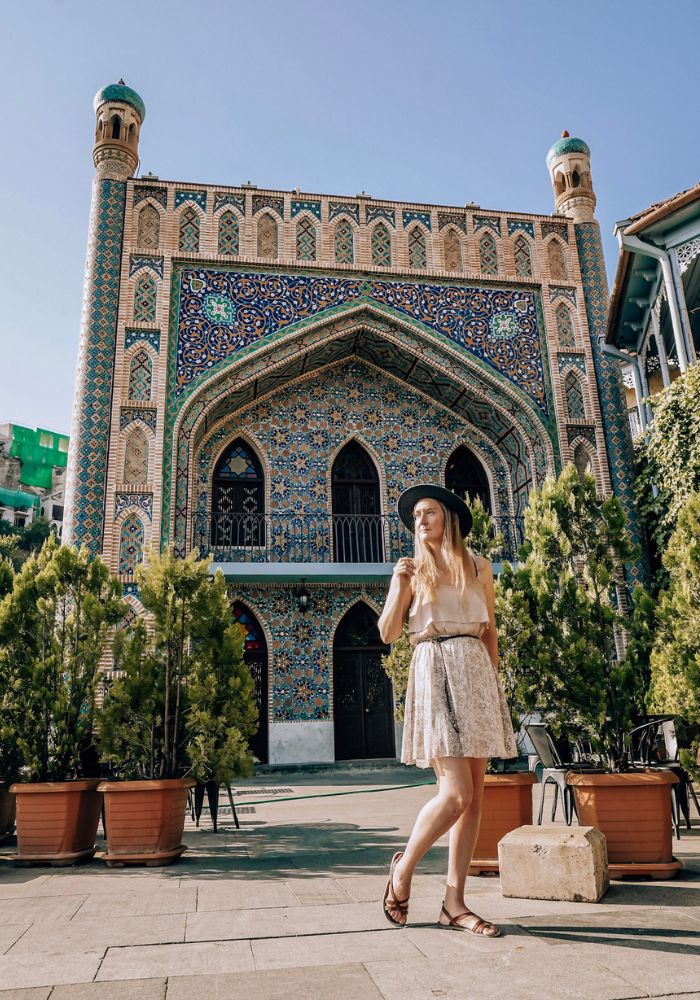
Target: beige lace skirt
(455, 706)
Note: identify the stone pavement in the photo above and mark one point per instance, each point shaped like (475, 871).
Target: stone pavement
(289, 907)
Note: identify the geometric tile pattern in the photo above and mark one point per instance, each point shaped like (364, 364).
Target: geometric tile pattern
(568, 360)
(422, 217)
(228, 233)
(452, 219)
(586, 431)
(198, 197)
(565, 326)
(235, 200)
(130, 544)
(574, 398)
(488, 254)
(307, 206)
(557, 263)
(373, 212)
(521, 255)
(563, 292)
(381, 246)
(559, 228)
(136, 457)
(147, 415)
(306, 240)
(417, 254)
(521, 224)
(139, 260)
(268, 201)
(148, 227)
(452, 247)
(159, 194)
(134, 336)
(267, 236)
(189, 230)
(344, 248)
(488, 222)
(140, 376)
(145, 300)
(336, 208)
(141, 501)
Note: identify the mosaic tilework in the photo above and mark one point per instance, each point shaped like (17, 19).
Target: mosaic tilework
(566, 335)
(137, 261)
(556, 261)
(234, 200)
(148, 233)
(268, 201)
(140, 501)
(136, 457)
(573, 394)
(140, 376)
(373, 212)
(452, 219)
(488, 222)
(566, 360)
(381, 246)
(306, 206)
(488, 254)
(417, 253)
(189, 230)
(452, 250)
(521, 225)
(562, 292)
(264, 304)
(159, 194)
(134, 336)
(129, 414)
(586, 431)
(131, 590)
(344, 242)
(198, 197)
(86, 493)
(522, 257)
(145, 299)
(411, 216)
(131, 538)
(616, 428)
(228, 241)
(267, 236)
(560, 229)
(336, 208)
(306, 239)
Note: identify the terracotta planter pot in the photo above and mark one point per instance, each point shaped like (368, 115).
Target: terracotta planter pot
(7, 812)
(633, 810)
(56, 821)
(507, 805)
(144, 821)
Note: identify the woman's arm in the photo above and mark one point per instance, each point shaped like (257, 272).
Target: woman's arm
(489, 636)
(398, 601)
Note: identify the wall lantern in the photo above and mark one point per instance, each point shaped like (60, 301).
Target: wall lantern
(303, 598)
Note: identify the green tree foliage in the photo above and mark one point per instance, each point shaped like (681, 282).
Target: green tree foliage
(396, 664)
(517, 642)
(483, 538)
(54, 624)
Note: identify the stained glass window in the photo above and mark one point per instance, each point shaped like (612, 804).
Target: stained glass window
(140, 376)
(344, 249)
(136, 458)
(149, 228)
(189, 230)
(523, 260)
(574, 397)
(488, 254)
(381, 246)
(253, 635)
(582, 461)
(555, 256)
(130, 544)
(565, 326)
(453, 251)
(306, 239)
(238, 462)
(417, 254)
(228, 233)
(267, 236)
(145, 300)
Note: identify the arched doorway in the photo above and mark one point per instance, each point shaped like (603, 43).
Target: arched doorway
(238, 498)
(466, 476)
(357, 522)
(362, 698)
(255, 658)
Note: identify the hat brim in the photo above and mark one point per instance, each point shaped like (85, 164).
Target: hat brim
(425, 491)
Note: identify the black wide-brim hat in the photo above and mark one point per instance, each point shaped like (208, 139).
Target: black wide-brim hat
(425, 491)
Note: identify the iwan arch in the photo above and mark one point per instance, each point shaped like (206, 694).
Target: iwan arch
(262, 372)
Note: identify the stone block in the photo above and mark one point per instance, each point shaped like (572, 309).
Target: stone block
(567, 863)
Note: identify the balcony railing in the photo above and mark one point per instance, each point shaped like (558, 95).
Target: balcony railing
(339, 538)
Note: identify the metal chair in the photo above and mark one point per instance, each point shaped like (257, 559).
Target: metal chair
(654, 744)
(554, 771)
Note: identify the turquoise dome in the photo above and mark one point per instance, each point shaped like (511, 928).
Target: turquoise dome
(120, 92)
(567, 144)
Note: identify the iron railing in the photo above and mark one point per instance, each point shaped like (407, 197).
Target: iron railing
(323, 538)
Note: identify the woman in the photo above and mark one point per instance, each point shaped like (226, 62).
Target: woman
(456, 715)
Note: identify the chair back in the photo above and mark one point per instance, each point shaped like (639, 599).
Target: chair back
(543, 744)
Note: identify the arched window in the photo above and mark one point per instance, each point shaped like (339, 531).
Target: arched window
(131, 539)
(357, 524)
(417, 254)
(488, 253)
(267, 236)
(574, 397)
(466, 476)
(132, 132)
(189, 230)
(255, 659)
(136, 458)
(228, 233)
(521, 254)
(565, 326)
(140, 376)
(452, 246)
(306, 239)
(381, 246)
(557, 264)
(116, 126)
(582, 461)
(344, 248)
(145, 300)
(238, 498)
(575, 179)
(148, 233)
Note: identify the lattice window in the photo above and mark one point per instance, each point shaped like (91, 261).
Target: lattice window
(189, 230)
(523, 260)
(488, 254)
(381, 246)
(453, 251)
(149, 228)
(565, 326)
(582, 461)
(136, 458)
(574, 397)
(267, 236)
(131, 538)
(344, 248)
(145, 300)
(417, 253)
(557, 263)
(140, 376)
(306, 239)
(228, 233)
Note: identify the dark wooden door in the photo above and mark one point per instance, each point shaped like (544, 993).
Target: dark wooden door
(357, 523)
(255, 659)
(362, 696)
(238, 499)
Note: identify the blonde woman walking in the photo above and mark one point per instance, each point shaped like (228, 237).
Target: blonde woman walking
(456, 715)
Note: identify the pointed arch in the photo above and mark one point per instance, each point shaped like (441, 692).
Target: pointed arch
(189, 230)
(344, 242)
(306, 239)
(145, 296)
(452, 250)
(556, 260)
(466, 476)
(267, 236)
(417, 250)
(229, 236)
(115, 127)
(358, 531)
(488, 254)
(148, 231)
(583, 460)
(131, 542)
(573, 392)
(381, 246)
(136, 458)
(255, 657)
(140, 376)
(566, 335)
(238, 497)
(522, 256)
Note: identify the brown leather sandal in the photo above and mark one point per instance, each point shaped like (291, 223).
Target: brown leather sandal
(479, 928)
(394, 908)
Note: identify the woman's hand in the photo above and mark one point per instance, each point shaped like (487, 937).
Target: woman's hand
(405, 570)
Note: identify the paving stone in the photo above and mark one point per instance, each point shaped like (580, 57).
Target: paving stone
(39, 909)
(133, 989)
(44, 969)
(363, 888)
(159, 900)
(233, 895)
(16, 882)
(87, 934)
(307, 982)
(176, 960)
(312, 891)
(9, 933)
(40, 993)
(333, 949)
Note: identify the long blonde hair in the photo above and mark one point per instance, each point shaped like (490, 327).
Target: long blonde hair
(452, 549)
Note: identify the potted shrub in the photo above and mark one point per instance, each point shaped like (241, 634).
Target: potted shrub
(10, 759)
(54, 624)
(575, 670)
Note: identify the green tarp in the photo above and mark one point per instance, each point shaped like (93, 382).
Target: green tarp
(18, 499)
(39, 451)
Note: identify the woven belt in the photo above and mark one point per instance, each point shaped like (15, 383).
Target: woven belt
(444, 638)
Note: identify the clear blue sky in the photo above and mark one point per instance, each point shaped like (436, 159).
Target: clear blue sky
(448, 101)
